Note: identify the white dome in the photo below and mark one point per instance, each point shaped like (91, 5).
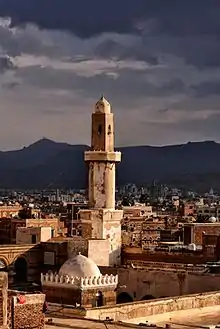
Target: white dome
(212, 219)
(80, 266)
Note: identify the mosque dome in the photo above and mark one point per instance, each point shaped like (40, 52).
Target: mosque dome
(102, 106)
(80, 266)
(212, 219)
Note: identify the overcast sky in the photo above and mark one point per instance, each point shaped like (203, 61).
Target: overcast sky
(156, 61)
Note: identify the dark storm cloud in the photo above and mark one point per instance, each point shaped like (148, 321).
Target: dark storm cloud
(206, 88)
(155, 60)
(112, 49)
(184, 28)
(10, 85)
(84, 18)
(199, 50)
(128, 82)
(6, 63)
(87, 18)
(206, 126)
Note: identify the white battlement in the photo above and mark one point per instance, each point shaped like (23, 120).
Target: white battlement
(82, 283)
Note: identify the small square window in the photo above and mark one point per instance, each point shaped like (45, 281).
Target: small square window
(33, 239)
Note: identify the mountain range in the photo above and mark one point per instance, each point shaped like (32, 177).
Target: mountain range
(48, 164)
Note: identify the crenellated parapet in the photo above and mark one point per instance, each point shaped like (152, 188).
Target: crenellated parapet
(80, 283)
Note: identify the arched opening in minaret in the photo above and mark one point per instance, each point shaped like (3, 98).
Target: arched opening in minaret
(99, 129)
(109, 129)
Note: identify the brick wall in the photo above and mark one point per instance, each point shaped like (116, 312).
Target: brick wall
(194, 233)
(201, 230)
(28, 315)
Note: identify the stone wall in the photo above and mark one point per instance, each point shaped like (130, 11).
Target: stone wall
(56, 253)
(86, 298)
(27, 315)
(89, 297)
(158, 283)
(32, 254)
(76, 245)
(3, 298)
(62, 295)
(98, 251)
(106, 224)
(125, 312)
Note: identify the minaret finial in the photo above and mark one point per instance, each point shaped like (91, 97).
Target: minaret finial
(103, 106)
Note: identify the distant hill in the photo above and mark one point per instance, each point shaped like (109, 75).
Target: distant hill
(47, 164)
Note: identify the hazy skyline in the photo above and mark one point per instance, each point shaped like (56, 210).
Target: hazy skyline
(156, 61)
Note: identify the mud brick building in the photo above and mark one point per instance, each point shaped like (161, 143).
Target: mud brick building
(195, 232)
(19, 309)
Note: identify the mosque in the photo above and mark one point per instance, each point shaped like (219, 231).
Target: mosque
(79, 281)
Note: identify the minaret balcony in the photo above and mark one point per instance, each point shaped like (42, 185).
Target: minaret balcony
(102, 156)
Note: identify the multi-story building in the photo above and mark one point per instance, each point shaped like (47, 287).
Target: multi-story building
(195, 232)
(187, 209)
(139, 210)
(7, 211)
(9, 226)
(208, 211)
(141, 232)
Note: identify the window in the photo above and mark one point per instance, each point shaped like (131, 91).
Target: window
(99, 129)
(109, 129)
(33, 238)
(52, 233)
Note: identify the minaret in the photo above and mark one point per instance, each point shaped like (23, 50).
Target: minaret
(102, 221)
(102, 158)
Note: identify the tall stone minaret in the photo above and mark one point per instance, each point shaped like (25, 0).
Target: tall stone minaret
(102, 217)
(102, 158)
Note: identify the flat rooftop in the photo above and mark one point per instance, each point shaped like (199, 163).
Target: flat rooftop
(85, 324)
(207, 317)
(202, 224)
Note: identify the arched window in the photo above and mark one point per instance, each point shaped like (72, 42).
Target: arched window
(3, 264)
(20, 268)
(99, 299)
(147, 297)
(124, 297)
(109, 129)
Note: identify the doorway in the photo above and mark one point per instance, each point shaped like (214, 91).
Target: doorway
(21, 270)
